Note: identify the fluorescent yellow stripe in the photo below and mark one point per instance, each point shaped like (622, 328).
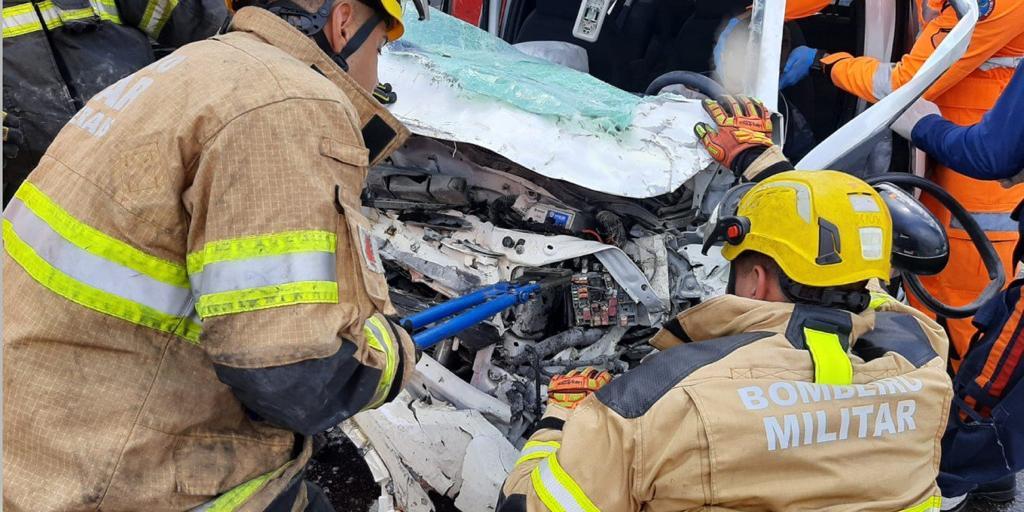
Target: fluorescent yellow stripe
(96, 242)
(92, 298)
(931, 504)
(238, 496)
(76, 14)
(152, 21)
(542, 492)
(261, 245)
(534, 450)
(831, 363)
(18, 9)
(570, 485)
(879, 299)
(388, 347)
(266, 297)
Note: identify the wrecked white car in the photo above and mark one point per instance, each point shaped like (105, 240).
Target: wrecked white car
(519, 165)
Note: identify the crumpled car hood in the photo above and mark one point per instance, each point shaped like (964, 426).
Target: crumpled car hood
(459, 83)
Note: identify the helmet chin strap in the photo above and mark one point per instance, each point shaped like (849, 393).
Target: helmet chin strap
(312, 24)
(353, 44)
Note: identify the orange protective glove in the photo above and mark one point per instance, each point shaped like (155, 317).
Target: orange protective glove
(743, 123)
(570, 389)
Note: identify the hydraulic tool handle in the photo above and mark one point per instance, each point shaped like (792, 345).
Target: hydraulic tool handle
(989, 256)
(474, 316)
(453, 306)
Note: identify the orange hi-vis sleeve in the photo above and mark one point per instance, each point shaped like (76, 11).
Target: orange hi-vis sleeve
(997, 42)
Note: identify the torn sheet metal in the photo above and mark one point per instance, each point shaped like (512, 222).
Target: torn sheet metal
(655, 153)
(428, 444)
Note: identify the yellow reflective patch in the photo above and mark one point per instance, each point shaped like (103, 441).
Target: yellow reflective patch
(933, 504)
(156, 15)
(266, 297)
(75, 14)
(98, 300)
(239, 495)
(373, 332)
(879, 299)
(90, 239)
(570, 485)
(542, 492)
(831, 363)
(534, 450)
(261, 245)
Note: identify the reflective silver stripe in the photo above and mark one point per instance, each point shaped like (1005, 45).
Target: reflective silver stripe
(530, 450)
(156, 15)
(1000, 62)
(881, 81)
(989, 222)
(93, 270)
(555, 488)
(224, 276)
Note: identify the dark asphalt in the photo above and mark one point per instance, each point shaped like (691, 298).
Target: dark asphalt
(1014, 506)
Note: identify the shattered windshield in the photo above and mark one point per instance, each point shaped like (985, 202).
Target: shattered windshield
(477, 62)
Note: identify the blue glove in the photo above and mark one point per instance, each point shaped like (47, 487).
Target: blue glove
(798, 66)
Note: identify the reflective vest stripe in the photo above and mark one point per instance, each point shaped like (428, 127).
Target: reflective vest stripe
(379, 339)
(259, 272)
(266, 297)
(998, 221)
(557, 490)
(156, 15)
(881, 80)
(91, 269)
(22, 19)
(533, 450)
(1000, 62)
(34, 261)
(225, 276)
(98, 243)
(831, 363)
(933, 504)
(260, 246)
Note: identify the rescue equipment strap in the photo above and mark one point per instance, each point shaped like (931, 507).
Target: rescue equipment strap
(533, 450)
(23, 19)
(933, 504)
(95, 270)
(831, 363)
(557, 490)
(378, 336)
(265, 271)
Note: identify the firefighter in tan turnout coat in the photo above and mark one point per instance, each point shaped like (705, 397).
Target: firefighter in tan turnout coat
(190, 289)
(797, 391)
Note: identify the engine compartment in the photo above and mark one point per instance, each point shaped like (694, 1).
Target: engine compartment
(451, 217)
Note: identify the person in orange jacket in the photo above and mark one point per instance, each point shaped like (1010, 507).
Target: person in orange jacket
(964, 93)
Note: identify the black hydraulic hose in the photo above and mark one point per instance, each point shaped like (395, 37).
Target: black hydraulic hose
(688, 79)
(994, 267)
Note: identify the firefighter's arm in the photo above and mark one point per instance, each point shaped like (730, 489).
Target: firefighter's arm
(174, 23)
(587, 464)
(871, 80)
(288, 319)
(796, 9)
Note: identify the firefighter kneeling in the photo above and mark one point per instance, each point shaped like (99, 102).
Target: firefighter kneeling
(796, 391)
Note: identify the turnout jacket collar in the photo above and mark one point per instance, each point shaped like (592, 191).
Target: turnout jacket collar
(381, 132)
(730, 315)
